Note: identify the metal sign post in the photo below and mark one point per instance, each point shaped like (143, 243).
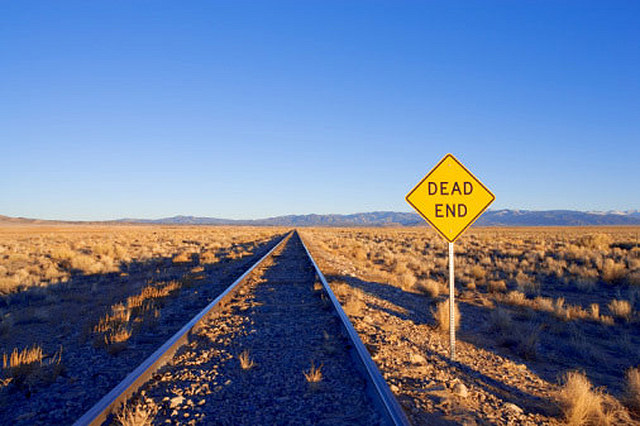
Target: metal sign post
(452, 306)
(450, 199)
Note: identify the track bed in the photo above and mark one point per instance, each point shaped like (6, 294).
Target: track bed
(283, 321)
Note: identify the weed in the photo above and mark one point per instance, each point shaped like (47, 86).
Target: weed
(441, 315)
(246, 362)
(620, 309)
(31, 366)
(497, 286)
(430, 287)
(406, 281)
(314, 375)
(580, 403)
(137, 415)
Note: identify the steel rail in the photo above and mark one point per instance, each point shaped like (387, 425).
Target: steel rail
(97, 414)
(378, 389)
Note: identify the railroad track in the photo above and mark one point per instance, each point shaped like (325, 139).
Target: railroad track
(283, 321)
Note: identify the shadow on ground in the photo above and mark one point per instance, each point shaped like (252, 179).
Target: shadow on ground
(561, 345)
(62, 316)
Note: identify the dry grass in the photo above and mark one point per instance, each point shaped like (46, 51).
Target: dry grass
(580, 403)
(115, 327)
(430, 287)
(620, 309)
(441, 315)
(406, 281)
(31, 366)
(182, 258)
(314, 375)
(21, 358)
(136, 415)
(497, 286)
(352, 299)
(246, 362)
(632, 390)
(41, 256)
(559, 280)
(500, 320)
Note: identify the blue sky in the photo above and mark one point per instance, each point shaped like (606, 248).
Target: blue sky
(236, 109)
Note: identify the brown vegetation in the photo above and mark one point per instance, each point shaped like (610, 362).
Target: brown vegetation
(580, 403)
(539, 295)
(314, 375)
(41, 256)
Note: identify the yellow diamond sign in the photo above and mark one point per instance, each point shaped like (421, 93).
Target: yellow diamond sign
(450, 198)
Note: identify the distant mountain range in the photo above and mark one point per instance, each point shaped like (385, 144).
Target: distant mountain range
(489, 218)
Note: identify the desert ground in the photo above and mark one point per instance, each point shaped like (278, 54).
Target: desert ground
(548, 329)
(548, 317)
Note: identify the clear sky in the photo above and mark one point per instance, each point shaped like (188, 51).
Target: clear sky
(237, 109)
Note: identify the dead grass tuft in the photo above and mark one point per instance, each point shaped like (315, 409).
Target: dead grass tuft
(497, 286)
(594, 311)
(500, 320)
(405, 281)
(620, 309)
(614, 272)
(116, 340)
(183, 257)
(596, 241)
(314, 375)
(31, 365)
(580, 403)
(430, 287)
(246, 362)
(441, 315)
(478, 273)
(21, 358)
(137, 415)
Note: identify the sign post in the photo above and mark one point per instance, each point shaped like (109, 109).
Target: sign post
(450, 199)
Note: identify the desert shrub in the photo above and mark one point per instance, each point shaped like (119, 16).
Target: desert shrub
(543, 304)
(497, 286)
(607, 319)
(515, 298)
(359, 254)
(352, 299)
(580, 403)
(8, 285)
(405, 281)
(84, 263)
(430, 287)
(478, 273)
(558, 305)
(441, 315)
(399, 268)
(634, 278)
(587, 284)
(528, 338)
(500, 320)
(620, 309)
(632, 390)
(208, 257)
(183, 257)
(613, 272)
(596, 241)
